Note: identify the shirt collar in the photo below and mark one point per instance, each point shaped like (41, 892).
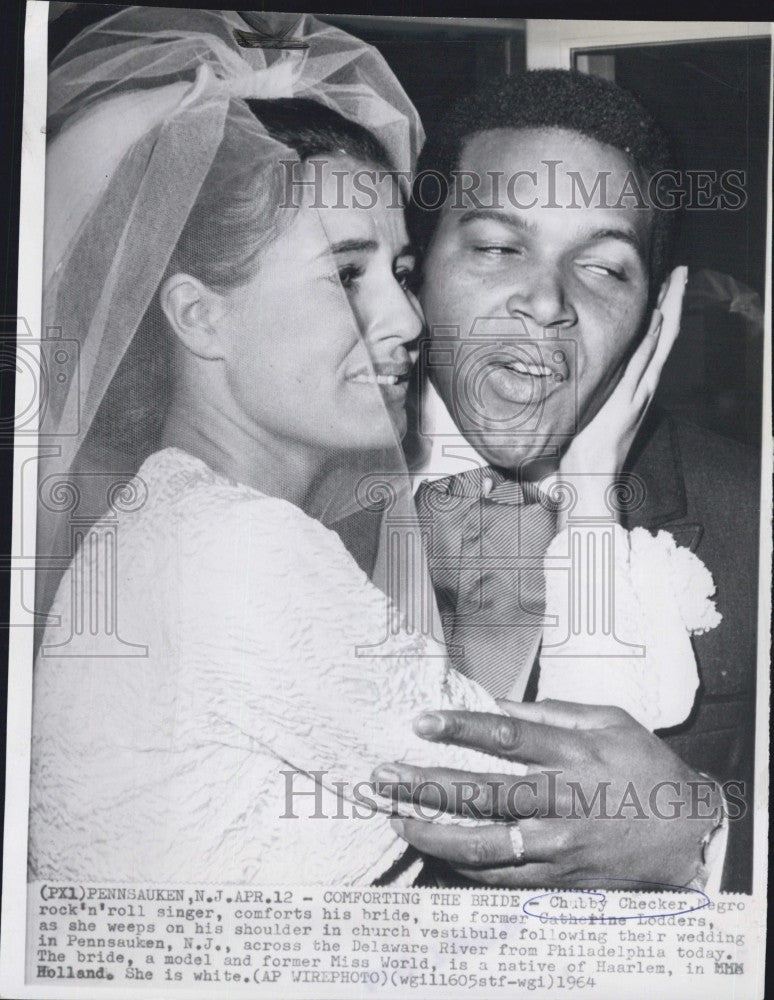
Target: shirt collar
(447, 452)
(454, 465)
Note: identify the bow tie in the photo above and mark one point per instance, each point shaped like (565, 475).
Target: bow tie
(486, 536)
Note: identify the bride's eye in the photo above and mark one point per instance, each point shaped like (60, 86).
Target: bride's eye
(348, 275)
(403, 276)
(404, 272)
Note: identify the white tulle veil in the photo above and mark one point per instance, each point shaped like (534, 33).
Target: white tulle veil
(137, 108)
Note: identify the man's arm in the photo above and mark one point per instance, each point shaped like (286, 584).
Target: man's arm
(605, 802)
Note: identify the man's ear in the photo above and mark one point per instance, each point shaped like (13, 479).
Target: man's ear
(192, 311)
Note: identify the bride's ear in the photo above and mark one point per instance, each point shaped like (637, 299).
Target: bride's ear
(193, 312)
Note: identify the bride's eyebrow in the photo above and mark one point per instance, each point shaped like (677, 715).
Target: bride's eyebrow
(363, 246)
(351, 246)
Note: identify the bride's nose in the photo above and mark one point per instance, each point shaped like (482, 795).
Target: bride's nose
(392, 316)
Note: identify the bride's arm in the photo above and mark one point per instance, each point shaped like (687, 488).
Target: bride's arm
(297, 652)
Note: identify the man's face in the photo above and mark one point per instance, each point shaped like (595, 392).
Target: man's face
(533, 310)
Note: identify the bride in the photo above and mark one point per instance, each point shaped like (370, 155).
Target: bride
(239, 620)
(228, 245)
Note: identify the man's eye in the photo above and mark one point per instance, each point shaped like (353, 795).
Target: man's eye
(495, 250)
(605, 270)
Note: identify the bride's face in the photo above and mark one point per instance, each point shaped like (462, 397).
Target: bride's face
(321, 342)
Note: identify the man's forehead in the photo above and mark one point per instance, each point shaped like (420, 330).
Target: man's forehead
(530, 174)
(526, 148)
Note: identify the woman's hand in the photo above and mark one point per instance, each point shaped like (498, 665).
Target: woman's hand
(597, 453)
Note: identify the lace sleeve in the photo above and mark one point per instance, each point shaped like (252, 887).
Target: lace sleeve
(299, 656)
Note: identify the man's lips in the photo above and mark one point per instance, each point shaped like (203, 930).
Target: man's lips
(527, 374)
(536, 360)
(533, 370)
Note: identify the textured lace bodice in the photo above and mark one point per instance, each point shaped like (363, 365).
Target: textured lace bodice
(247, 616)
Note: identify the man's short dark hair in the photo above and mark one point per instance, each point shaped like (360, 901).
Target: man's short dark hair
(549, 98)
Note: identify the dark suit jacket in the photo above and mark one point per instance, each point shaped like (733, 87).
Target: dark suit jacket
(705, 490)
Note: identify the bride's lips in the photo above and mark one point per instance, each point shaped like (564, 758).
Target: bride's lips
(381, 378)
(391, 377)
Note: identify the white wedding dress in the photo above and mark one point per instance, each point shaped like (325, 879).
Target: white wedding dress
(168, 767)
(238, 747)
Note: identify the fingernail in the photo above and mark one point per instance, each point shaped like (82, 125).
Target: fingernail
(397, 824)
(429, 725)
(386, 773)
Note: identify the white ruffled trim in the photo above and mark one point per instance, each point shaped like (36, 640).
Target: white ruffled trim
(662, 594)
(693, 586)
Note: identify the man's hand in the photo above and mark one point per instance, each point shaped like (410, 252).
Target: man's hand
(603, 800)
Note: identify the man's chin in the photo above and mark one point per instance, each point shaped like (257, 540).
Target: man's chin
(528, 458)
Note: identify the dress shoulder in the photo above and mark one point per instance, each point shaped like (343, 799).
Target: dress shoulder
(272, 658)
(223, 524)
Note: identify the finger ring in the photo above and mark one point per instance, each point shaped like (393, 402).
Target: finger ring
(517, 842)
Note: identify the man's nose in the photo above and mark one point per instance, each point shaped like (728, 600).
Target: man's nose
(541, 296)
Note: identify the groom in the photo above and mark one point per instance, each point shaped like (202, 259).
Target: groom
(546, 245)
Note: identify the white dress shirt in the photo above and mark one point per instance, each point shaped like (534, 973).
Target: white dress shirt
(449, 453)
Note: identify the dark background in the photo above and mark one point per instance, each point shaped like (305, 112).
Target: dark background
(713, 98)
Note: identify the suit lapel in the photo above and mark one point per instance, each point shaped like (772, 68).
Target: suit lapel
(656, 460)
